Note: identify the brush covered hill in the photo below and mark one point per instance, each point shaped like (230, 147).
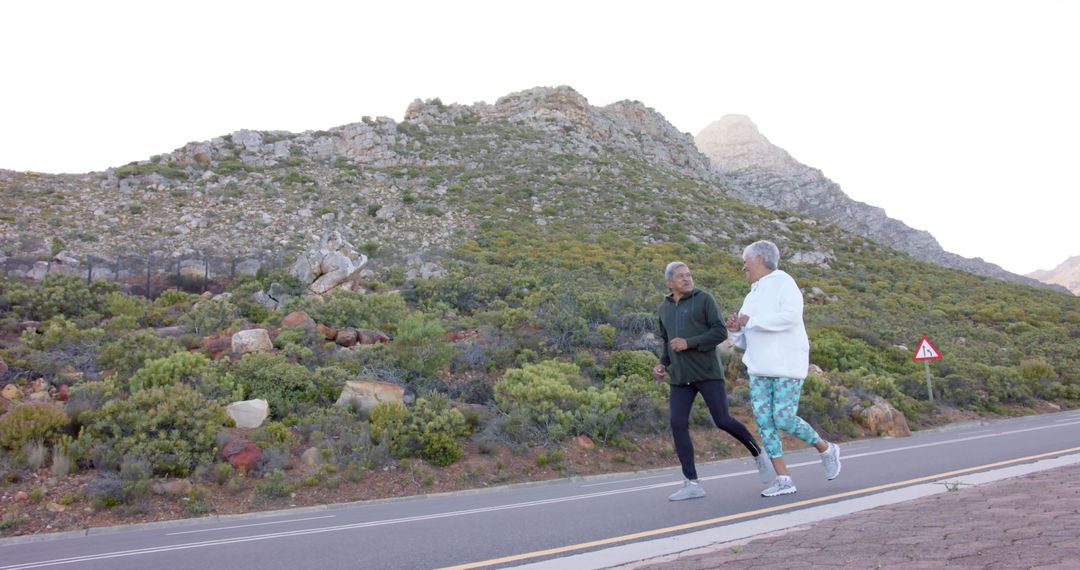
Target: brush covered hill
(551, 220)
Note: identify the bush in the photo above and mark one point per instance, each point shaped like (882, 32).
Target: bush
(286, 387)
(128, 354)
(354, 309)
(57, 295)
(629, 363)
(210, 317)
(61, 345)
(420, 345)
(172, 427)
(178, 367)
(31, 422)
(557, 399)
(430, 430)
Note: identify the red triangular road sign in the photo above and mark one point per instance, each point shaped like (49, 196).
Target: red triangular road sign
(926, 350)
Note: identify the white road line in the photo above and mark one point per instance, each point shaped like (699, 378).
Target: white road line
(248, 525)
(621, 481)
(511, 506)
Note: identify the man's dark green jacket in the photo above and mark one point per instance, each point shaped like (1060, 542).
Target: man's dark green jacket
(696, 318)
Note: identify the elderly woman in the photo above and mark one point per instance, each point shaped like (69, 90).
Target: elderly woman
(769, 327)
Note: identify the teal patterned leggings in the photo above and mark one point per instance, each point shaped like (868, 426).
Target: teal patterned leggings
(776, 403)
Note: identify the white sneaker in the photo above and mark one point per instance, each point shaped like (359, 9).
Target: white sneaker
(782, 486)
(830, 458)
(764, 468)
(689, 490)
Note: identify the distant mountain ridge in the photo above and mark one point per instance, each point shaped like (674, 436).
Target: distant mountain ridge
(1067, 274)
(761, 173)
(417, 188)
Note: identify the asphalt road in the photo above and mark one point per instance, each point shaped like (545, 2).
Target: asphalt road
(502, 527)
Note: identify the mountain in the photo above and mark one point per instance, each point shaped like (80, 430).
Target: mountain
(1067, 274)
(764, 174)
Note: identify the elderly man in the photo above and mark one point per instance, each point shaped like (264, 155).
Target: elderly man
(691, 327)
(769, 327)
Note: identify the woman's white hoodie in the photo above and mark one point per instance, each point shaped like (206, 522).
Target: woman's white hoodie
(774, 338)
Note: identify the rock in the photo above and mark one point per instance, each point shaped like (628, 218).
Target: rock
(369, 336)
(311, 456)
(346, 337)
(584, 441)
(363, 395)
(177, 488)
(242, 454)
(329, 333)
(217, 345)
(21, 496)
(265, 300)
(54, 507)
(27, 325)
(334, 265)
(170, 332)
(62, 393)
(458, 336)
(298, 320)
(252, 340)
(248, 413)
(11, 393)
(881, 419)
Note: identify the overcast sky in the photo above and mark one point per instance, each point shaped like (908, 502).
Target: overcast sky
(960, 118)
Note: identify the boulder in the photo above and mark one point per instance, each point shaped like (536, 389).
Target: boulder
(170, 332)
(177, 488)
(242, 454)
(334, 265)
(252, 340)
(11, 393)
(298, 320)
(329, 333)
(346, 337)
(216, 346)
(248, 413)
(881, 419)
(368, 336)
(363, 395)
(311, 456)
(27, 325)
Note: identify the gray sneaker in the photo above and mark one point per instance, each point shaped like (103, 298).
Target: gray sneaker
(830, 458)
(689, 490)
(782, 486)
(764, 468)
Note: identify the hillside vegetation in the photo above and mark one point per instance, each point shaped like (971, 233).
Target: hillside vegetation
(553, 235)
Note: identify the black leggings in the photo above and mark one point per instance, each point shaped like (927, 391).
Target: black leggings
(715, 396)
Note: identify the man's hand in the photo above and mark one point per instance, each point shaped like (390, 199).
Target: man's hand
(658, 372)
(738, 381)
(678, 344)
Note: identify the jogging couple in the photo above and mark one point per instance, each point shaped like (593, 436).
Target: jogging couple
(769, 328)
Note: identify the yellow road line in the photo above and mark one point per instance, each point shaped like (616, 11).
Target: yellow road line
(747, 514)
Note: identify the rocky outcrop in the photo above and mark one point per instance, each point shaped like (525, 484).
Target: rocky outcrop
(242, 454)
(252, 340)
(335, 264)
(761, 173)
(248, 414)
(363, 395)
(881, 419)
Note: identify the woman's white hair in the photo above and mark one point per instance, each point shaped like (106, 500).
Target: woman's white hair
(767, 250)
(669, 271)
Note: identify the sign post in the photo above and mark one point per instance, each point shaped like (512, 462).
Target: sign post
(926, 352)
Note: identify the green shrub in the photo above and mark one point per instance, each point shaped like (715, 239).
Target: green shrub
(31, 422)
(355, 309)
(386, 419)
(210, 317)
(61, 345)
(176, 368)
(629, 363)
(172, 427)
(128, 354)
(285, 386)
(430, 430)
(420, 345)
(57, 295)
(117, 304)
(558, 400)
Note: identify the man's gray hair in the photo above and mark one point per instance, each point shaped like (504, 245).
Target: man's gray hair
(767, 250)
(669, 271)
